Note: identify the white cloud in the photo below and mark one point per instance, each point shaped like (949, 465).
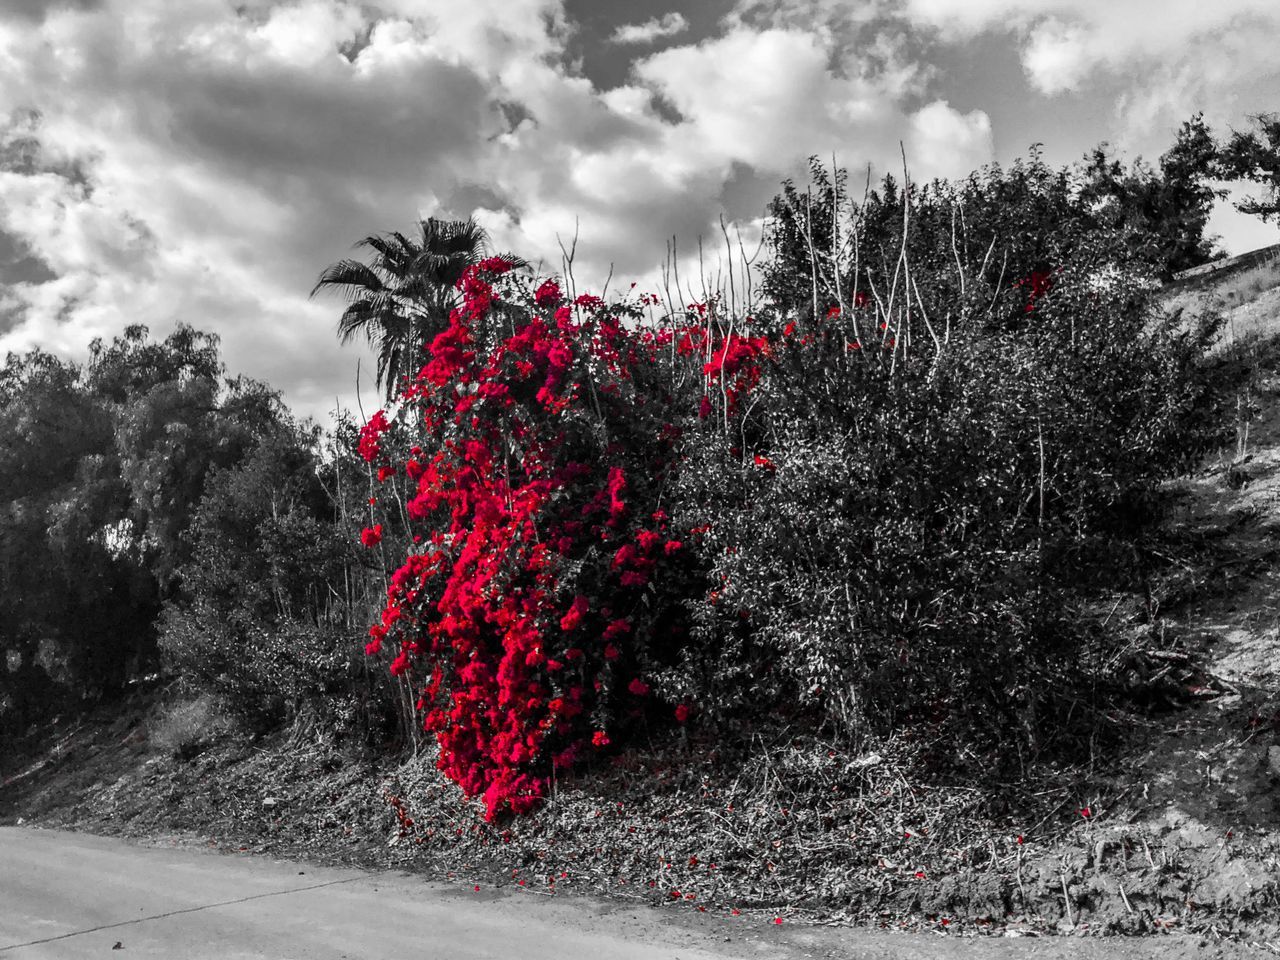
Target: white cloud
(944, 142)
(749, 95)
(1064, 41)
(669, 25)
(1056, 57)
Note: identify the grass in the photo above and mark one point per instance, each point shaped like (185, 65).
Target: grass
(185, 728)
(1247, 285)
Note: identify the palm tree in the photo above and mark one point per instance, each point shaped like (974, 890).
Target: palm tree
(402, 298)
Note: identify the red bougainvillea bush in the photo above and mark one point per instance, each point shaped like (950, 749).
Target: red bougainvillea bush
(543, 583)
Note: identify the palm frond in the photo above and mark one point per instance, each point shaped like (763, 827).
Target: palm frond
(395, 252)
(355, 276)
(369, 317)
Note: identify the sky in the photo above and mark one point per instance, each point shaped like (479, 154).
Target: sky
(201, 162)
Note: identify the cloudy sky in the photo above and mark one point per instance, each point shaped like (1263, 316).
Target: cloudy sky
(202, 160)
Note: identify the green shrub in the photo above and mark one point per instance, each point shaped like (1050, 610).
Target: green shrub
(901, 521)
(187, 727)
(269, 615)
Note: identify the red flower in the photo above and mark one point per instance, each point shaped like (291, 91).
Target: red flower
(386, 473)
(617, 628)
(495, 265)
(571, 620)
(370, 434)
(547, 294)
(789, 329)
(764, 462)
(682, 713)
(638, 687)
(600, 739)
(371, 537)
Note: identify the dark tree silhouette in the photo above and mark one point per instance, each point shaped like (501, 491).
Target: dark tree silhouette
(1255, 156)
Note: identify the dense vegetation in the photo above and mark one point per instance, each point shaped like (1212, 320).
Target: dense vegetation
(873, 502)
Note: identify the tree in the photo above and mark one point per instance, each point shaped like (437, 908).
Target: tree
(1255, 156)
(175, 421)
(75, 604)
(102, 468)
(1184, 199)
(402, 298)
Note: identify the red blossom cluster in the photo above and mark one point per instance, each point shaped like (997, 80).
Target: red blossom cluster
(370, 434)
(736, 365)
(1037, 284)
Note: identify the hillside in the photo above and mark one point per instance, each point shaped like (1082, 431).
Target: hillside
(1171, 824)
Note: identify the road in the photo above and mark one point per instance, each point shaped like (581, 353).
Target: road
(68, 895)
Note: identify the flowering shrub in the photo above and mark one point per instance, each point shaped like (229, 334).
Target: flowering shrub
(543, 584)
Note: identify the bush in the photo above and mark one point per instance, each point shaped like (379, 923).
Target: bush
(267, 674)
(187, 727)
(264, 619)
(548, 582)
(901, 523)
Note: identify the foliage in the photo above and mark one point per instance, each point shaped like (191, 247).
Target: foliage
(74, 608)
(1163, 213)
(871, 505)
(1254, 155)
(898, 534)
(829, 248)
(264, 618)
(103, 470)
(187, 727)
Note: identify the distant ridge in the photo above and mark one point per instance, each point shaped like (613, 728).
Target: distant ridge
(1228, 265)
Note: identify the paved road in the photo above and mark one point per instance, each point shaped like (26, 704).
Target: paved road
(66, 895)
